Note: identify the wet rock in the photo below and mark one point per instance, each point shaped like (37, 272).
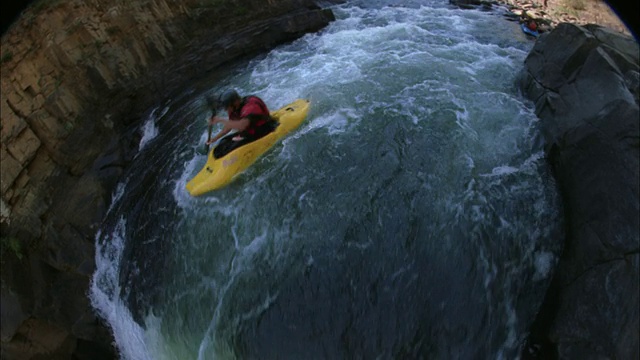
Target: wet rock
(581, 80)
(53, 342)
(12, 314)
(472, 4)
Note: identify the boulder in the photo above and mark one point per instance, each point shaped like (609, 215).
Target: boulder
(583, 81)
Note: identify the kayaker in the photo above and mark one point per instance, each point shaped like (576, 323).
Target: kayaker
(528, 21)
(248, 115)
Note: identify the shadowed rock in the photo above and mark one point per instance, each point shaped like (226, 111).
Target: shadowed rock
(584, 82)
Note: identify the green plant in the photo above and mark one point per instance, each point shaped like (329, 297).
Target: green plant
(567, 10)
(213, 3)
(13, 245)
(41, 5)
(576, 4)
(241, 10)
(58, 82)
(75, 26)
(6, 56)
(98, 43)
(112, 30)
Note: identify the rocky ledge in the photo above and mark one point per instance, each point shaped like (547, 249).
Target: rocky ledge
(585, 81)
(76, 77)
(548, 14)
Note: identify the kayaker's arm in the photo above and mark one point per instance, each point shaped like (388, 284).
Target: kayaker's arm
(229, 125)
(222, 133)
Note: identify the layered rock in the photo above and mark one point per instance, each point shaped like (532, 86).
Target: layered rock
(585, 85)
(76, 76)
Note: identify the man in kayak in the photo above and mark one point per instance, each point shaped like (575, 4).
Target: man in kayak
(248, 115)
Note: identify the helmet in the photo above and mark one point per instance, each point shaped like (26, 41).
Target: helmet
(212, 102)
(229, 97)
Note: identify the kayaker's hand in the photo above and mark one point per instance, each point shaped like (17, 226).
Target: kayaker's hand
(214, 120)
(210, 141)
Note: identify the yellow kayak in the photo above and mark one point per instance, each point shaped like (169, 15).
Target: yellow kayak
(217, 173)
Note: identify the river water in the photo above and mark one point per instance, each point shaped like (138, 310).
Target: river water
(411, 216)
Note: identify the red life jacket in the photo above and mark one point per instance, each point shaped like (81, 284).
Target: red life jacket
(254, 109)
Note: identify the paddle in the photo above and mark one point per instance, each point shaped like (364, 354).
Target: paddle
(213, 105)
(206, 144)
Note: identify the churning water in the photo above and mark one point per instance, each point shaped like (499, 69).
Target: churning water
(411, 216)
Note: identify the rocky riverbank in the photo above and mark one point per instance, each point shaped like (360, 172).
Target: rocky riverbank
(76, 76)
(585, 83)
(548, 14)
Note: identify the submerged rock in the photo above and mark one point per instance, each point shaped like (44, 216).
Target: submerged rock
(584, 82)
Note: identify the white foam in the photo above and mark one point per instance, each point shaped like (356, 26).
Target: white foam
(149, 130)
(501, 171)
(511, 341)
(335, 122)
(544, 263)
(180, 193)
(105, 295)
(117, 195)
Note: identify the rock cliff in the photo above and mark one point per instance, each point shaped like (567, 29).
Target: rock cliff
(76, 75)
(585, 85)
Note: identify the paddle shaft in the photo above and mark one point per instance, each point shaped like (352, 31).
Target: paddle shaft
(213, 104)
(206, 144)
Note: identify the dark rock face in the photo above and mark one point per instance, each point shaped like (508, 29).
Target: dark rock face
(471, 4)
(584, 82)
